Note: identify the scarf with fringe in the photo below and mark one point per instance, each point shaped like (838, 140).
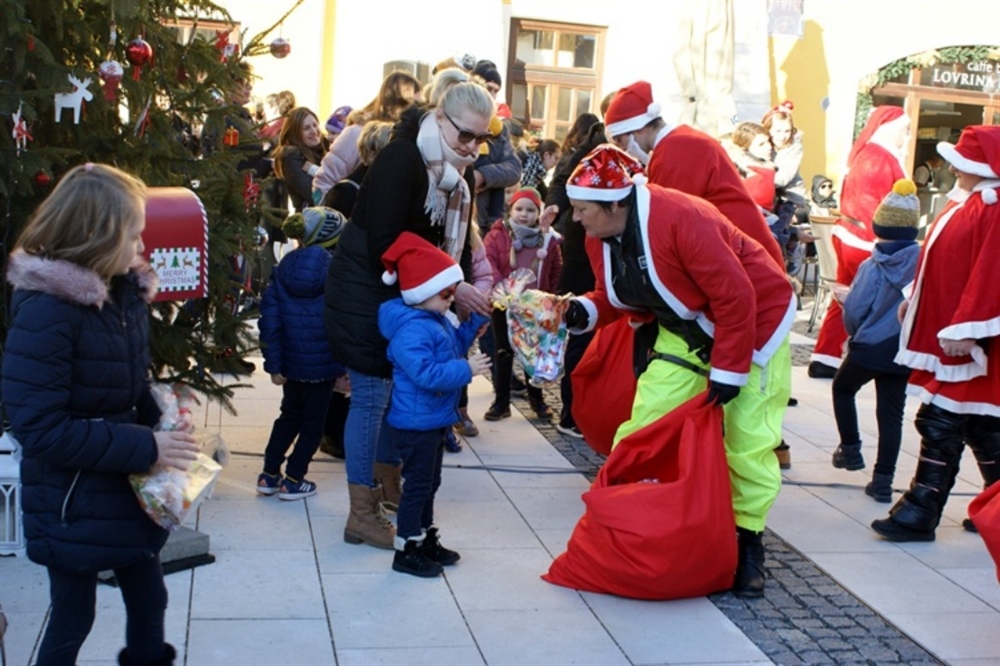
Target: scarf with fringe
(448, 197)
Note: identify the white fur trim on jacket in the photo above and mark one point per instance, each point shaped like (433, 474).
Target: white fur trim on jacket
(72, 282)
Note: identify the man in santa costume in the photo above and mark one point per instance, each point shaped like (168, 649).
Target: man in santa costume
(723, 310)
(951, 338)
(874, 164)
(685, 159)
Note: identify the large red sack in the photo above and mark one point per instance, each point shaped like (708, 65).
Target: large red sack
(604, 385)
(984, 511)
(659, 517)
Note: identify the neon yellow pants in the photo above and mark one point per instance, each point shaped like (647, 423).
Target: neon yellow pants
(752, 422)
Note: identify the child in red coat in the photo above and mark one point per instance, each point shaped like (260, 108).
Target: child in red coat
(524, 240)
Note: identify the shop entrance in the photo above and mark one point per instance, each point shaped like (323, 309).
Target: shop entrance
(941, 100)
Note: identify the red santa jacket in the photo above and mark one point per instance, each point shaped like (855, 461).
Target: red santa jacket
(873, 172)
(708, 271)
(691, 161)
(956, 296)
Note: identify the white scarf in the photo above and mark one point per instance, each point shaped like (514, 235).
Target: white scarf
(448, 198)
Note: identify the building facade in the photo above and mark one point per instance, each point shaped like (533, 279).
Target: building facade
(711, 62)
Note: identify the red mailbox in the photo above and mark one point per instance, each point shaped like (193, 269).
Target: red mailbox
(176, 240)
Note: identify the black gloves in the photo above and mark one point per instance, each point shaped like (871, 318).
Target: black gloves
(720, 393)
(576, 315)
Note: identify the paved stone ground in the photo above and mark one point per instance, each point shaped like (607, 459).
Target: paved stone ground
(805, 617)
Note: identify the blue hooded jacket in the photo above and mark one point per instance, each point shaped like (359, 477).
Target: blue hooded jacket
(871, 305)
(429, 367)
(292, 333)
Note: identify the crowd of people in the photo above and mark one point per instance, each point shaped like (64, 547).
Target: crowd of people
(407, 214)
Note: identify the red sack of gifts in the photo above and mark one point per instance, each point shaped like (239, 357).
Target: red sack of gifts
(659, 517)
(604, 385)
(984, 511)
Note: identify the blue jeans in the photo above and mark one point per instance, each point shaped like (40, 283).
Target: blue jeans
(422, 452)
(303, 415)
(365, 437)
(74, 606)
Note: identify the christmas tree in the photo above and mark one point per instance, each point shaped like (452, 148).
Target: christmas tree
(158, 107)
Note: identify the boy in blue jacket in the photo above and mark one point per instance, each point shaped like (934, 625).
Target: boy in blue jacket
(870, 319)
(429, 369)
(297, 352)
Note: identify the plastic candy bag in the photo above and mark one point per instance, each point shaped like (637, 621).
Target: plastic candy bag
(535, 326)
(168, 495)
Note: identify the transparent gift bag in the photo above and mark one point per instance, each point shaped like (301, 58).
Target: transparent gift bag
(169, 495)
(535, 326)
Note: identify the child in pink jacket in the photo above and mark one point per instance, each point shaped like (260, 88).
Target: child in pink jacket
(523, 240)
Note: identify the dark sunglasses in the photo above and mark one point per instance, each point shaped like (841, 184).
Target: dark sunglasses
(448, 292)
(465, 136)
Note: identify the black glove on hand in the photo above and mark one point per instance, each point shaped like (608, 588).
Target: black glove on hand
(576, 315)
(720, 393)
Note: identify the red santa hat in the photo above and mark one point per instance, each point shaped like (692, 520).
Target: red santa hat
(607, 173)
(978, 153)
(631, 109)
(421, 269)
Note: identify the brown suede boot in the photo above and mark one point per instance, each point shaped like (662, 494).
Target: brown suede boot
(366, 524)
(389, 476)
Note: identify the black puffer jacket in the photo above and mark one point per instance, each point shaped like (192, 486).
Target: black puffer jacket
(390, 201)
(75, 387)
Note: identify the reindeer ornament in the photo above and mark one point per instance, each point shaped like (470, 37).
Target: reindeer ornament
(73, 100)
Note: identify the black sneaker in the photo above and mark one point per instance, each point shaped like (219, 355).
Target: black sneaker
(518, 388)
(413, 561)
(819, 370)
(893, 531)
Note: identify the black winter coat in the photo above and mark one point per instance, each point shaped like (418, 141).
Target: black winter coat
(76, 389)
(577, 276)
(390, 201)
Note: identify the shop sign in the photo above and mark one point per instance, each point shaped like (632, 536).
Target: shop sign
(978, 75)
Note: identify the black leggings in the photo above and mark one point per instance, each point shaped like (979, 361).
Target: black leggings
(74, 607)
(890, 400)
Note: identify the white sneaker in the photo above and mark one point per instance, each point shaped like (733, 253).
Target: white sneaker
(569, 431)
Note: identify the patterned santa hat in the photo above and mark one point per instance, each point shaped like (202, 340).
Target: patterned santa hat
(978, 153)
(631, 109)
(607, 173)
(421, 269)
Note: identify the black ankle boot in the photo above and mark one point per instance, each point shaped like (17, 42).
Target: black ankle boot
(848, 456)
(414, 561)
(432, 548)
(169, 654)
(750, 571)
(880, 488)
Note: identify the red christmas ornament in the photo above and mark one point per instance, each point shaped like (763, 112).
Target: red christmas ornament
(43, 178)
(251, 193)
(31, 42)
(231, 137)
(111, 72)
(139, 53)
(280, 48)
